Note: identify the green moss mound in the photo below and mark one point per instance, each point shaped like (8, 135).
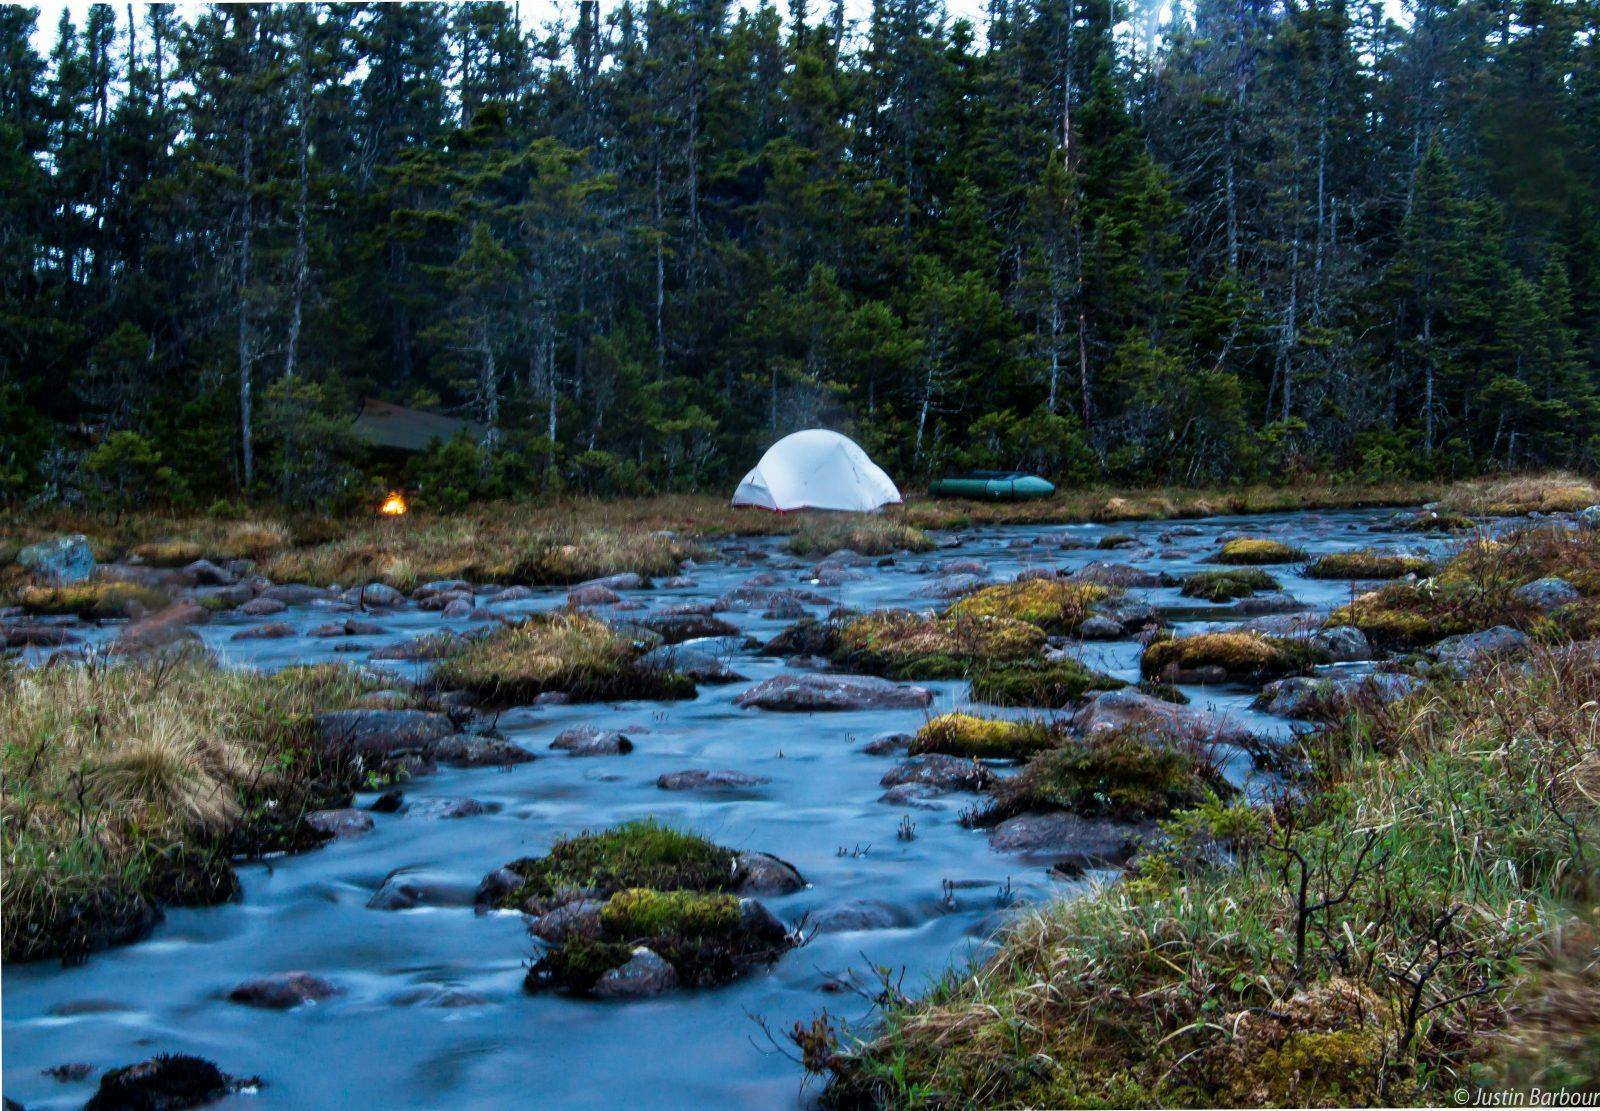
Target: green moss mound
(91, 600)
(1236, 655)
(573, 653)
(1122, 773)
(1250, 551)
(1226, 586)
(982, 738)
(1051, 604)
(903, 645)
(642, 853)
(1050, 685)
(1367, 564)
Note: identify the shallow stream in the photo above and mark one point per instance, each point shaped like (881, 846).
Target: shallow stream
(432, 1011)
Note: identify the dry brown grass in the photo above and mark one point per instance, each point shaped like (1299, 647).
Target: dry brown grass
(1555, 492)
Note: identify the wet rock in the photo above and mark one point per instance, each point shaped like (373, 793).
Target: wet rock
(446, 809)
(1115, 574)
(459, 607)
(441, 586)
(760, 921)
(31, 635)
(552, 698)
(398, 892)
(645, 974)
(70, 1072)
(1306, 696)
(757, 873)
(1128, 707)
(939, 770)
(581, 916)
(345, 822)
(1461, 653)
(965, 567)
(262, 607)
(627, 580)
(466, 751)
(1548, 593)
(1343, 644)
(205, 573)
(804, 693)
(679, 627)
(511, 594)
(433, 646)
(678, 582)
(294, 594)
(1099, 628)
(1271, 602)
(381, 732)
(1032, 574)
(271, 630)
(496, 886)
(593, 595)
(952, 586)
(381, 595)
(64, 559)
(701, 779)
(806, 637)
(784, 609)
(857, 914)
(702, 667)
(1589, 518)
(283, 991)
(921, 796)
(586, 740)
(1090, 842)
(162, 630)
(165, 1083)
(888, 744)
(389, 802)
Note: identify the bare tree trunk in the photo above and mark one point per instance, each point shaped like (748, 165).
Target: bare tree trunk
(1427, 393)
(1083, 369)
(489, 389)
(246, 346)
(1055, 348)
(296, 309)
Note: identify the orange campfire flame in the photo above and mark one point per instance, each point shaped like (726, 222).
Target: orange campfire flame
(393, 506)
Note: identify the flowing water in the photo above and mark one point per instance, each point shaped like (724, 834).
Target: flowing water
(432, 1012)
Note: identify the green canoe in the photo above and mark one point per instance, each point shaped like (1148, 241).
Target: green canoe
(992, 486)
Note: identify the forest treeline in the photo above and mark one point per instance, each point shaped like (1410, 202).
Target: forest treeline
(1229, 238)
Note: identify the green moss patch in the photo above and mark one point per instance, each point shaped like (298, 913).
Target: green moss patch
(1126, 774)
(643, 853)
(1367, 564)
(903, 645)
(1233, 655)
(1051, 604)
(92, 600)
(983, 738)
(1249, 551)
(1225, 586)
(573, 653)
(1051, 685)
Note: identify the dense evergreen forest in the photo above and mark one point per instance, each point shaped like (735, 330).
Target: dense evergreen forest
(1226, 239)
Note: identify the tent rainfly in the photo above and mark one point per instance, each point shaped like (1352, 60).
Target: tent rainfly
(816, 469)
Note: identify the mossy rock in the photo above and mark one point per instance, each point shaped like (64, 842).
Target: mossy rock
(92, 600)
(1367, 564)
(1051, 685)
(707, 938)
(982, 738)
(1226, 586)
(1231, 655)
(902, 645)
(1438, 522)
(1127, 774)
(573, 653)
(1051, 604)
(1167, 692)
(1250, 551)
(1403, 616)
(1114, 540)
(642, 853)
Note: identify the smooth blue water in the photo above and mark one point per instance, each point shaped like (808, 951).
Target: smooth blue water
(391, 1040)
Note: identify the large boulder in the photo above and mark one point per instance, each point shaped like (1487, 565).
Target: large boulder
(1461, 653)
(382, 732)
(1083, 842)
(203, 572)
(938, 770)
(626, 580)
(675, 628)
(283, 991)
(757, 873)
(702, 667)
(1115, 574)
(1328, 696)
(1548, 593)
(463, 750)
(805, 693)
(1129, 708)
(341, 823)
(65, 559)
(857, 914)
(165, 1082)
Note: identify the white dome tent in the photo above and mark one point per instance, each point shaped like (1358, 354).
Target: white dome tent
(816, 469)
